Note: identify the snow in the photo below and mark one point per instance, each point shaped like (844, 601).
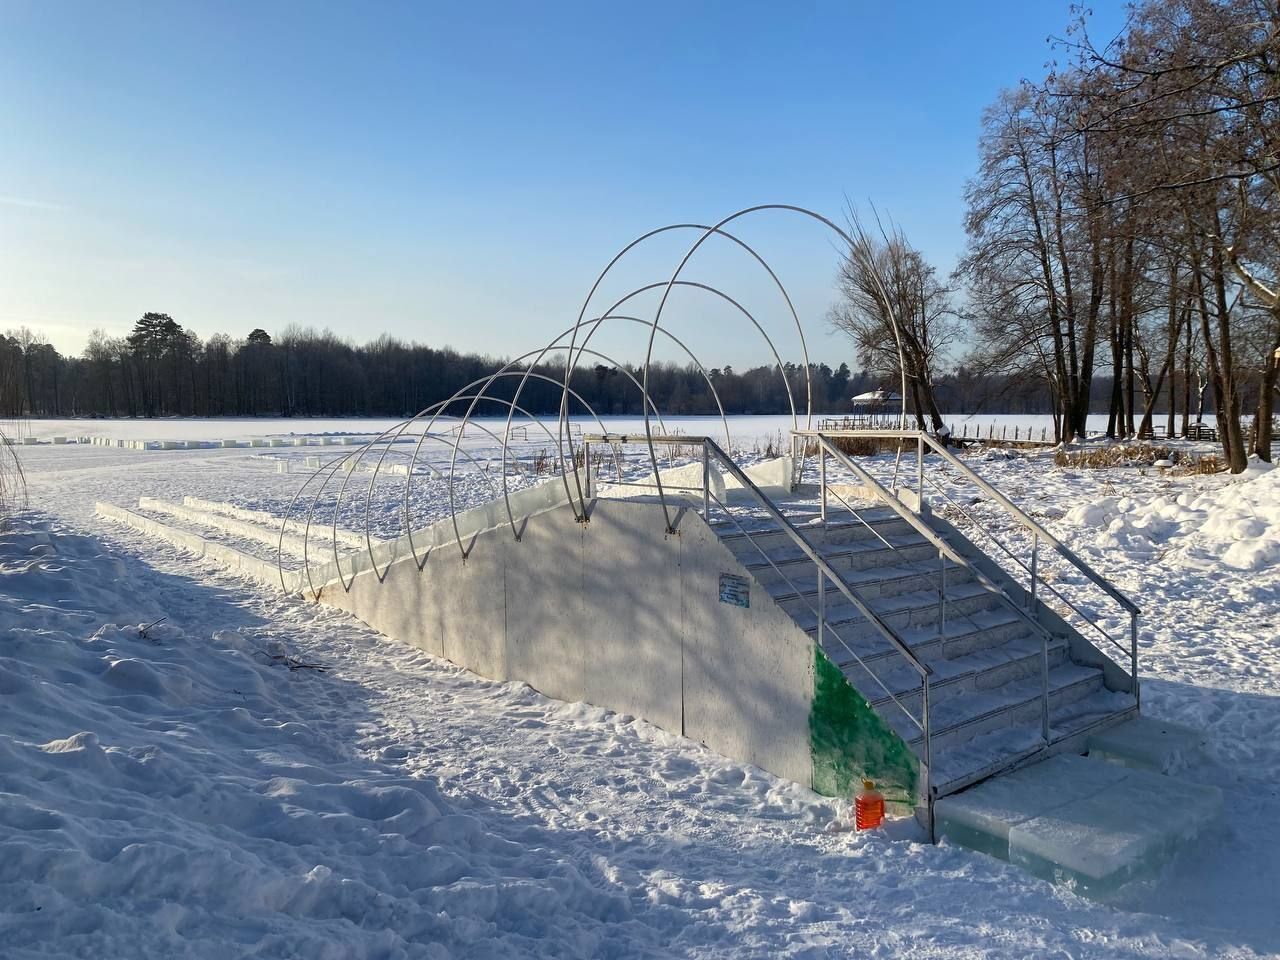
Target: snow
(201, 788)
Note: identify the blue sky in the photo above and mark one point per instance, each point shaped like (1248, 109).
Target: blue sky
(458, 173)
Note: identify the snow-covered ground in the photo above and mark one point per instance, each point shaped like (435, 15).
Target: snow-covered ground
(202, 788)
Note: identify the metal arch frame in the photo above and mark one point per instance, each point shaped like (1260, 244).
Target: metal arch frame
(435, 409)
(337, 561)
(504, 371)
(571, 365)
(506, 441)
(710, 230)
(675, 276)
(331, 467)
(595, 324)
(574, 354)
(599, 321)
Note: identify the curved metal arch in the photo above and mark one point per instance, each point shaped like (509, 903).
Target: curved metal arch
(504, 443)
(710, 232)
(728, 299)
(360, 455)
(596, 323)
(715, 229)
(337, 561)
(527, 374)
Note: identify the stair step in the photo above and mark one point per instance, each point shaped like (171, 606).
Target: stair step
(900, 611)
(1003, 749)
(789, 560)
(764, 533)
(983, 669)
(979, 630)
(884, 581)
(962, 718)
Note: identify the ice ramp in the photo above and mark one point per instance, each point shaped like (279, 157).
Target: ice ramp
(1084, 822)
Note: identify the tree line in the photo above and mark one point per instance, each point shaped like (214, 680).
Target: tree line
(1125, 216)
(163, 370)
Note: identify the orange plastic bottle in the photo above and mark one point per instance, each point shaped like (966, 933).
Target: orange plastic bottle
(868, 807)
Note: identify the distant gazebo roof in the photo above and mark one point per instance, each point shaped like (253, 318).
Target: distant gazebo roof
(877, 398)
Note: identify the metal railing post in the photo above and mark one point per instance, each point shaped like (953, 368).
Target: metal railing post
(706, 483)
(1035, 556)
(1133, 656)
(942, 595)
(926, 782)
(586, 463)
(920, 475)
(822, 605)
(822, 482)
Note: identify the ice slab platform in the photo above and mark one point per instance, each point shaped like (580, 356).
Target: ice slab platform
(1150, 744)
(1083, 822)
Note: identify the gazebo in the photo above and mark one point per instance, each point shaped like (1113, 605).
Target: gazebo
(876, 408)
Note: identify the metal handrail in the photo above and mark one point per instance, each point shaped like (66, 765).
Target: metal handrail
(1014, 511)
(1009, 506)
(1029, 569)
(819, 615)
(959, 559)
(807, 548)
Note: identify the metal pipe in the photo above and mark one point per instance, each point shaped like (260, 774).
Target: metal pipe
(919, 475)
(822, 606)
(706, 484)
(942, 595)
(822, 483)
(1133, 657)
(927, 732)
(1035, 556)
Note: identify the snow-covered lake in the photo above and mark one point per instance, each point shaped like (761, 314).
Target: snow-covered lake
(180, 791)
(743, 428)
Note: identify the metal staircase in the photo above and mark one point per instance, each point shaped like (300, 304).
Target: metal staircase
(962, 658)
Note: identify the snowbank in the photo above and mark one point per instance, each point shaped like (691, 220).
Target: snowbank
(1238, 524)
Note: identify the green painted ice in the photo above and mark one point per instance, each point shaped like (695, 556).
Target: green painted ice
(850, 741)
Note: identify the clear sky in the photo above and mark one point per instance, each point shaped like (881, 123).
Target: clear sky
(458, 173)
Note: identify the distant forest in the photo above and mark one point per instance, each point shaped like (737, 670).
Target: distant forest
(164, 370)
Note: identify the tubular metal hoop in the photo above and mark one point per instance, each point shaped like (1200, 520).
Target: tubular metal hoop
(716, 229)
(571, 365)
(712, 231)
(505, 371)
(460, 432)
(595, 326)
(337, 561)
(791, 402)
(506, 440)
(525, 374)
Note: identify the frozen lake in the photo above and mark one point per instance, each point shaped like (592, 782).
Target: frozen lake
(744, 429)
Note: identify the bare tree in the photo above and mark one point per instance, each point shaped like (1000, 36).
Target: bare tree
(898, 314)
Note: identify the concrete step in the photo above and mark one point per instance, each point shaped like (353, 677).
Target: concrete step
(1090, 824)
(792, 563)
(976, 712)
(984, 669)
(901, 611)
(764, 533)
(981, 630)
(1003, 749)
(888, 580)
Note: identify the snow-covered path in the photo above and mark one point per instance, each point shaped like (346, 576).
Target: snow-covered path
(186, 794)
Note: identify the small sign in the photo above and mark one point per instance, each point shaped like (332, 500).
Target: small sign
(735, 590)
